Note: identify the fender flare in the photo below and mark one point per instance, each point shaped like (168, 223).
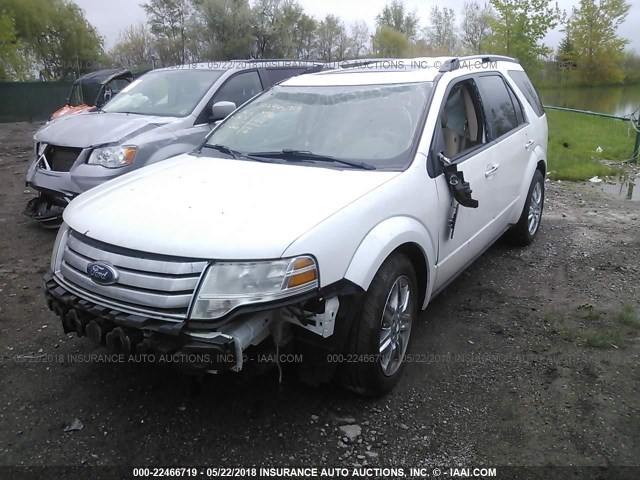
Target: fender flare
(383, 240)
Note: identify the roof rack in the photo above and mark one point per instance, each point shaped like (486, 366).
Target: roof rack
(358, 62)
(290, 60)
(454, 63)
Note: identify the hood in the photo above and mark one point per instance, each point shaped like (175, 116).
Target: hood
(97, 128)
(203, 207)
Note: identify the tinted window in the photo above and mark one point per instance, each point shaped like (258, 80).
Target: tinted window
(499, 109)
(239, 88)
(528, 90)
(276, 75)
(517, 105)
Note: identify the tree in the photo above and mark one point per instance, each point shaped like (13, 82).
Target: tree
(395, 16)
(441, 31)
(228, 29)
(13, 66)
(134, 47)
(520, 26)
(296, 31)
(52, 37)
(168, 22)
(475, 26)
(388, 42)
(360, 38)
(597, 49)
(268, 27)
(305, 37)
(332, 39)
(566, 55)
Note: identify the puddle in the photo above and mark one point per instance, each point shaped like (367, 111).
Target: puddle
(622, 187)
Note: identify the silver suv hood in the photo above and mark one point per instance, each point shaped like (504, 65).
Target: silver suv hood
(97, 128)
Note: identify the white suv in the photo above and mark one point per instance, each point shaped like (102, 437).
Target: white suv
(319, 218)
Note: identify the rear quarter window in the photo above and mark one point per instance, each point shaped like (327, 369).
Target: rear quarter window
(528, 90)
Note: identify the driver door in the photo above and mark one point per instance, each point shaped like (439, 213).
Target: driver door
(461, 135)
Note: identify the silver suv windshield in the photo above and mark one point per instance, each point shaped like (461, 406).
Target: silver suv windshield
(170, 93)
(374, 124)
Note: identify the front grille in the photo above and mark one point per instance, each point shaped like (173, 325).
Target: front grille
(61, 159)
(157, 286)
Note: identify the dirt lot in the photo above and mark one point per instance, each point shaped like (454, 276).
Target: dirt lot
(530, 358)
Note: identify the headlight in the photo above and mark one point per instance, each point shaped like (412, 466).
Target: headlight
(227, 286)
(113, 157)
(58, 247)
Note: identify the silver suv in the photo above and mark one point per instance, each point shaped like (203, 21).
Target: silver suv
(161, 114)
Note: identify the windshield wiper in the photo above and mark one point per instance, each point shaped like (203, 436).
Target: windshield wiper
(224, 149)
(302, 155)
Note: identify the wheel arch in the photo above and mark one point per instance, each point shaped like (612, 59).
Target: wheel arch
(398, 234)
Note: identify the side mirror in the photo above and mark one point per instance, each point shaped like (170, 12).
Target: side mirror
(66, 101)
(221, 110)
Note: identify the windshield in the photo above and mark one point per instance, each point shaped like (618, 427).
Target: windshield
(171, 93)
(375, 124)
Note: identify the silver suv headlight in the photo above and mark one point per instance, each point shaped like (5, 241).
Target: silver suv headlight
(113, 157)
(228, 285)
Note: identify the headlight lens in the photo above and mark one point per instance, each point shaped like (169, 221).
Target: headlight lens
(227, 285)
(113, 157)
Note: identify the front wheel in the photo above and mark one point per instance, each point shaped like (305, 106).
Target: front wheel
(380, 337)
(524, 232)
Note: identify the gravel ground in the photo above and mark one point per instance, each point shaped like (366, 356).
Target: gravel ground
(530, 358)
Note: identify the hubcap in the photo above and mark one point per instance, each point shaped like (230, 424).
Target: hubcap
(535, 209)
(395, 326)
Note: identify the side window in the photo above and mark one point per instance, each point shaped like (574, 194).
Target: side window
(528, 90)
(277, 74)
(520, 116)
(498, 106)
(239, 88)
(461, 120)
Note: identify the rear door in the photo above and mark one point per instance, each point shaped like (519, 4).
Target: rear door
(509, 134)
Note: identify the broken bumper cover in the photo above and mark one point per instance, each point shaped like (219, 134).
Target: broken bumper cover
(131, 334)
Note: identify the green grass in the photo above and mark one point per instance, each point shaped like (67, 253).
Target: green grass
(574, 138)
(595, 328)
(628, 316)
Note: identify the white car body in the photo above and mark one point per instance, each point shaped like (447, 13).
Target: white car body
(349, 220)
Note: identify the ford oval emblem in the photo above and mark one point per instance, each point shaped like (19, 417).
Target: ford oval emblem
(102, 273)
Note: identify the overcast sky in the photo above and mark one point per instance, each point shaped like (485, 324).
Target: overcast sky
(112, 16)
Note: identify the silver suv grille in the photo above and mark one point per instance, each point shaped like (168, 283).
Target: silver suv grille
(156, 286)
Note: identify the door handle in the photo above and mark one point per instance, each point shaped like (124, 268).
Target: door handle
(491, 169)
(528, 144)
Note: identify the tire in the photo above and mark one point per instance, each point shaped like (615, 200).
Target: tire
(525, 231)
(369, 369)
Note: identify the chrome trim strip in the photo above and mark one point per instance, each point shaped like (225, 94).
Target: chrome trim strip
(169, 317)
(135, 278)
(133, 263)
(115, 292)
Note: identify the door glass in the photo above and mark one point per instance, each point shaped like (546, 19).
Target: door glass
(499, 108)
(461, 120)
(239, 89)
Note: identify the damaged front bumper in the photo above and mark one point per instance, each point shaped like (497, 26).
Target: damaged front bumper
(134, 334)
(186, 345)
(57, 188)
